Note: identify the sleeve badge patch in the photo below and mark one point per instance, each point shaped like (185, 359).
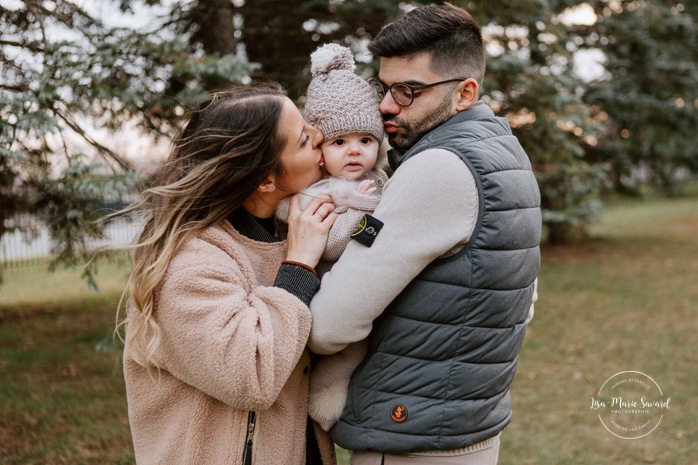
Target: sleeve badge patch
(367, 230)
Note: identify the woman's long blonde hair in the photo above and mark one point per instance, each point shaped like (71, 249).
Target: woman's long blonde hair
(229, 146)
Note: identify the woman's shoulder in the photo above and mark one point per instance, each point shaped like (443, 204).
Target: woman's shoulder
(221, 235)
(221, 245)
(216, 246)
(208, 245)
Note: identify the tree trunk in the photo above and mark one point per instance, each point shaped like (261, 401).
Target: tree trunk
(215, 29)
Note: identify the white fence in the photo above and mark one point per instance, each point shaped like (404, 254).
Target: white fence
(28, 249)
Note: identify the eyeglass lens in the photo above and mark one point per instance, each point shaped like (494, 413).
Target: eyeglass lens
(378, 87)
(400, 92)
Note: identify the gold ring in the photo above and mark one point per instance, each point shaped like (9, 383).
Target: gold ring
(318, 213)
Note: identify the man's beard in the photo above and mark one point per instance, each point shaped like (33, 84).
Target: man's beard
(412, 132)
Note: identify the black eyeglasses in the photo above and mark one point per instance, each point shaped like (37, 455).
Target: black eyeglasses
(402, 93)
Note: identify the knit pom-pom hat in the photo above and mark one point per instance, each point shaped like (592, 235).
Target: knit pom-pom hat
(340, 102)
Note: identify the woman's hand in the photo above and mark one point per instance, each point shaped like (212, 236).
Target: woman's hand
(308, 229)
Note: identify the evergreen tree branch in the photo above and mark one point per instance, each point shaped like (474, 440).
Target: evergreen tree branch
(124, 164)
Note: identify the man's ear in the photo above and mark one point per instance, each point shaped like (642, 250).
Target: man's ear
(267, 185)
(468, 92)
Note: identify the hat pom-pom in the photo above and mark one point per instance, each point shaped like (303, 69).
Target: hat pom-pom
(331, 57)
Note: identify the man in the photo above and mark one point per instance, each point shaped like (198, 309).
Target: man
(443, 290)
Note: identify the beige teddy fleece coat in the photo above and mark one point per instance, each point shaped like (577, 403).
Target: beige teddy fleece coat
(231, 343)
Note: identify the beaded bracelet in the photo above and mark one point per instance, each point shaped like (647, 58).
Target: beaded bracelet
(302, 265)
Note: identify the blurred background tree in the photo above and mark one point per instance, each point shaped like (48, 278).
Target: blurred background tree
(67, 76)
(647, 100)
(69, 70)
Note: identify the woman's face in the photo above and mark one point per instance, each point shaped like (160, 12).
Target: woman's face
(301, 156)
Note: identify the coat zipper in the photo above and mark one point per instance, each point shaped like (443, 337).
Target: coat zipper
(247, 452)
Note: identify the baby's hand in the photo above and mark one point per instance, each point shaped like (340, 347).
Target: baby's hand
(366, 187)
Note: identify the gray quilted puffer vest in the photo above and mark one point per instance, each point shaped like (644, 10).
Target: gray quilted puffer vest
(442, 356)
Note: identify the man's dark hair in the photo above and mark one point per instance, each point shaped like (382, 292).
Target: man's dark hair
(447, 33)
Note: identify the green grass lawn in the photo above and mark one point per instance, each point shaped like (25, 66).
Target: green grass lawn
(625, 301)
(62, 399)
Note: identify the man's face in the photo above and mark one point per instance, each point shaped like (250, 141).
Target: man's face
(431, 107)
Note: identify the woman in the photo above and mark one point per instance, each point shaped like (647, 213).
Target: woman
(215, 362)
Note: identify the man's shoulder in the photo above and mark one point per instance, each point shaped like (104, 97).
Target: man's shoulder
(434, 169)
(432, 159)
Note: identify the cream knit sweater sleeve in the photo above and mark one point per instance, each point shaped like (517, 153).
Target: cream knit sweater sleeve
(429, 207)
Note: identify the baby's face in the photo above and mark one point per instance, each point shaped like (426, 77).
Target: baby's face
(350, 156)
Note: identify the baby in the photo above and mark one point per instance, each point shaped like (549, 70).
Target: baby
(344, 107)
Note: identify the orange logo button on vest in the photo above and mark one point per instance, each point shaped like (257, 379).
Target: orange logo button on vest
(398, 413)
